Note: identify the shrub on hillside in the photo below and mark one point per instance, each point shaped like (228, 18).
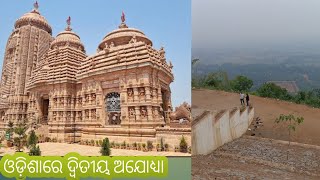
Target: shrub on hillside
(241, 84)
(271, 90)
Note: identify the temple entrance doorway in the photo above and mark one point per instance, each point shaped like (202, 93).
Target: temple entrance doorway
(113, 108)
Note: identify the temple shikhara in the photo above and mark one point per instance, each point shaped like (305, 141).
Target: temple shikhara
(121, 92)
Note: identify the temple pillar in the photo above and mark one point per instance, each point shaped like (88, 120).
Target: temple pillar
(137, 111)
(135, 95)
(149, 113)
(148, 94)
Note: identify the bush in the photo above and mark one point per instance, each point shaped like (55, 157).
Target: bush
(149, 145)
(134, 145)
(33, 139)
(183, 145)
(105, 148)
(47, 139)
(35, 151)
(166, 146)
(271, 90)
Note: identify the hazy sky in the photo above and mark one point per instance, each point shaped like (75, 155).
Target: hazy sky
(228, 23)
(167, 23)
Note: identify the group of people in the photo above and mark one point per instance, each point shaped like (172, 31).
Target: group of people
(242, 97)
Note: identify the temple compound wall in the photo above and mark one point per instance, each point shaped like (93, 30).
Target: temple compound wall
(121, 92)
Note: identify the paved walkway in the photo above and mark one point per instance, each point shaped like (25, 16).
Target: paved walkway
(61, 149)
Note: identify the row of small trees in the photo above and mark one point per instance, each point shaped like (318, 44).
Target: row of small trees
(106, 146)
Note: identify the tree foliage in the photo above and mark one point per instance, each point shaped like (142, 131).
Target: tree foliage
(35, 151)
(291, 122)
(241, 84)
(20, 140)
(183, 145)
(33, 139)
(219, 80)
(105, 148)
(273, 91)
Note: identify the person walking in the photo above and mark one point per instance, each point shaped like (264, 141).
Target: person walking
(247, 99)
(242, 98)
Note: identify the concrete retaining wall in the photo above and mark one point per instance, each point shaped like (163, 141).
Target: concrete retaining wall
(211, 130)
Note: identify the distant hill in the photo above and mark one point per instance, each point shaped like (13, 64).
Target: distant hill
(295, 62)
(307, 77)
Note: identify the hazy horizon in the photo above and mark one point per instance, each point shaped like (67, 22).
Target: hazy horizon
(218, 24)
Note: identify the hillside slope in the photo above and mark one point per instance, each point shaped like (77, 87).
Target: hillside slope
(268, 110)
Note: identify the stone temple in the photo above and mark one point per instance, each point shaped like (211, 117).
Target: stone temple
(121, 92)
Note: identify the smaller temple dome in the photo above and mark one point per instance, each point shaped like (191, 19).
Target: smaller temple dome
(123, 35)
(67, 37)
(34, 18)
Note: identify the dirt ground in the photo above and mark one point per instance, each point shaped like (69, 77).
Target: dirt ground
(267, 110)
(258, 158)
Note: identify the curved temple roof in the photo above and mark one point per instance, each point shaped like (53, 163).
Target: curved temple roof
(34, 18)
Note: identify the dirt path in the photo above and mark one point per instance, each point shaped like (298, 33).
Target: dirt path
(268, 110)
(258, 158)
(61, 149)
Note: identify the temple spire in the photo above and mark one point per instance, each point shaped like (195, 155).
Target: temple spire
(123, 20)
(68, 24)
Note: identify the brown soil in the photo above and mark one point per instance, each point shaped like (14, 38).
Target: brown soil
(267, 110)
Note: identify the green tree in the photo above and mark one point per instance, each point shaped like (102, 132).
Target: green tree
(183, 145)
(241, 84)
(291, 122)
(218, 80)
(35, 151)
(10, 130)
(105, 148)
(33, 139)
(273, 91)
(20, 140)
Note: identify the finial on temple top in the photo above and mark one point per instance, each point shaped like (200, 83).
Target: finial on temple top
(68, 23)
(123, 17)
(36, 5)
